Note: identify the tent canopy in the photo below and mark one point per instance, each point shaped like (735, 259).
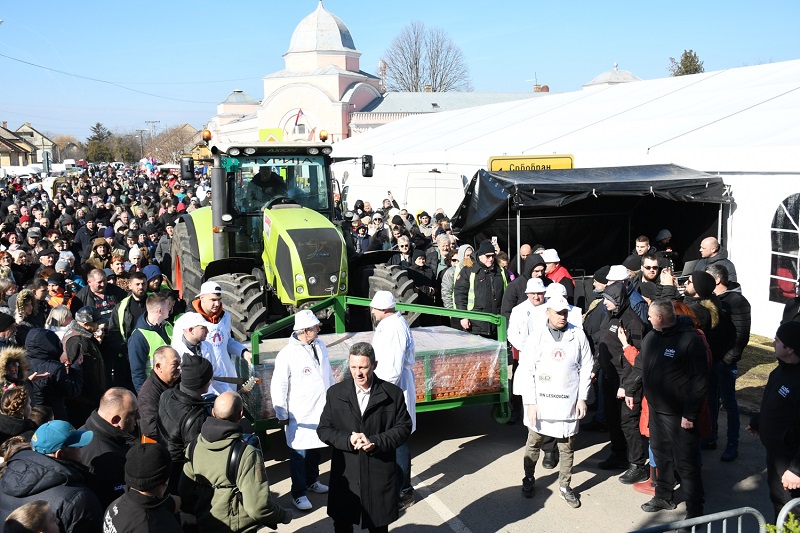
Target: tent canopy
(490, 193)
(592, 216)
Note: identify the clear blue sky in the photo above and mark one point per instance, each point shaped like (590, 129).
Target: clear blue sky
(198, 52)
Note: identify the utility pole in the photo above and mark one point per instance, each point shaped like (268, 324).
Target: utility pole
(141, 140)
(152, 126)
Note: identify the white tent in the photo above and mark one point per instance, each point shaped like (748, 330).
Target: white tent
(740, 119)
(742, 123)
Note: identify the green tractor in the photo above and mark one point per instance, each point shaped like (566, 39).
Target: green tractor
(271, 238)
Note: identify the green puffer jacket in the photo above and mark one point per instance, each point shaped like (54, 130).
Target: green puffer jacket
(250, 509)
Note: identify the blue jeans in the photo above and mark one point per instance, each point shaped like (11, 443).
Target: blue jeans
(722, 387)
(403, 460)
(304, 469)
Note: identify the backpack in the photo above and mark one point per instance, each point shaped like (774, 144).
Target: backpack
(231, 470)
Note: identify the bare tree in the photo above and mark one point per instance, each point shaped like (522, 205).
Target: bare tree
(419, 57)
(169, 145)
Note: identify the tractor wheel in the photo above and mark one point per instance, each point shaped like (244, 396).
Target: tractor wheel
(243, 299)
(186, 273)
(394, 279)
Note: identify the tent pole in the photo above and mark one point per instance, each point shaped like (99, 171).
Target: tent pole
(519, 244)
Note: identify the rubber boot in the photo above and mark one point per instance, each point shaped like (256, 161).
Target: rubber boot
(648, 486)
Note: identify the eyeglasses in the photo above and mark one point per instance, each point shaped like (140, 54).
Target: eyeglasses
(377, 220)
(402, 246)
(650, 267)
(689, 282)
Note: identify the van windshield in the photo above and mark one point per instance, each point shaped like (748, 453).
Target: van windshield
(260, 180)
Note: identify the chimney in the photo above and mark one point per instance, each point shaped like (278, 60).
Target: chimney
(428, 89)
(5, 124)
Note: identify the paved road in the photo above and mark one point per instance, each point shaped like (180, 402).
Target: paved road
(468, 470)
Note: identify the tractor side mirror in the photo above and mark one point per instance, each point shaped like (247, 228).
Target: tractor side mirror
(366, 166)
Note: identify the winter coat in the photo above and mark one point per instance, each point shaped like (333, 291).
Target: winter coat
(180, 417)
(720, 259)
(148, 398)
(488, 293)
(96, 261)
(363, 486)
(10, 354)
(298, 387)
(674, 369)
(561, 275)
(14, 427)
(515, 292)
(778, 423)
(80, 341)
(396, 354)
(139, 349)
(43, 349)
(250, 510)
(133, 512)
(609, 349)
(739, 309)
(105, 457)
(715, 321)
(31, 476)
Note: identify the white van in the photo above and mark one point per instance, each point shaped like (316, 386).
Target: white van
(415, 191)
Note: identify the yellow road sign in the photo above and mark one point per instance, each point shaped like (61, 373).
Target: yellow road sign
(530, 162)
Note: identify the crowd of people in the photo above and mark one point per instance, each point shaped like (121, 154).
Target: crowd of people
(120, 407)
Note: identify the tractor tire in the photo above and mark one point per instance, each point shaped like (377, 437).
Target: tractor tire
(394, 279)
(243, 298)
(187, 276)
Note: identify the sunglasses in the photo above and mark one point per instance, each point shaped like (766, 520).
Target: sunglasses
(402, 246)
(650, 267)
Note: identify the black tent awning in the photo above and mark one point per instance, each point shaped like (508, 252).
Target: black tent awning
(490, 193)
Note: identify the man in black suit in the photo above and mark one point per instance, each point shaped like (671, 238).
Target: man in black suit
(364, 421)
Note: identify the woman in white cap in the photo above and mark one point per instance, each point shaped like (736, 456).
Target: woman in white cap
(300, 381)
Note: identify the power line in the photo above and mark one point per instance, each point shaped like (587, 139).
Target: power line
(115, 84)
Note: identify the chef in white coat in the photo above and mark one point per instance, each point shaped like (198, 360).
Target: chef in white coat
(395, 354)
(191, 341)
(301, 378)
(553, 379)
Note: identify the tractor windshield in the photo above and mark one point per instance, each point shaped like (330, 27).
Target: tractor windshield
(261, 180)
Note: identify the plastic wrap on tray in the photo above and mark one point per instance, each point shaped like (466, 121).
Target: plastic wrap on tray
(449, 364)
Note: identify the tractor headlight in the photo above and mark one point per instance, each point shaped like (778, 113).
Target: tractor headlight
(327, 150)
(298, 278)
(299, 290)
(342, 287)
(312, 280)
(333, 278)
(234, 151)
(249, 151)
(344, 275)
(313, 151)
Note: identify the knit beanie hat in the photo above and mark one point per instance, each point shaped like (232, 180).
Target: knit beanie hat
(789, 335)
(633, 262)
(485, 248)
(601, 274)
(63, 265)
(704, 284)
(417, 253)
(195, 372)
(147, 466)
(397, 221)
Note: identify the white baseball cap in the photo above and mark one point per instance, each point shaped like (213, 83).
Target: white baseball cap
(534, 285)
(550, 255)
(383, 300)
(617, 273)
(135, 252)
(191, 320)
(210, 287)
(555, 290)
(557, 304)
(305, 319)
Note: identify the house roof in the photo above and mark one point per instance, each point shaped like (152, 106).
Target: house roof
(422, 102)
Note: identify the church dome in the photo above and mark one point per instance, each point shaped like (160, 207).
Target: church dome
(321, 31)
(613, 77)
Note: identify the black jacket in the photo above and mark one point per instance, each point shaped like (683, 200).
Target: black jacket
(12, 427)
(149, 396)
(133, 512)
(778, 423)
(715, 321)
(722, 259)
(180, 418)
(488, 293)
(105, 457)
(363, 486)
(43, 349)
(515, 291)
(739, 309)
(674, 367)
(31, 476)
(77, 342)
(609, 349)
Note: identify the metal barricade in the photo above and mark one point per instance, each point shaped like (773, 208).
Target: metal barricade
(785, 510)
(703, 523)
